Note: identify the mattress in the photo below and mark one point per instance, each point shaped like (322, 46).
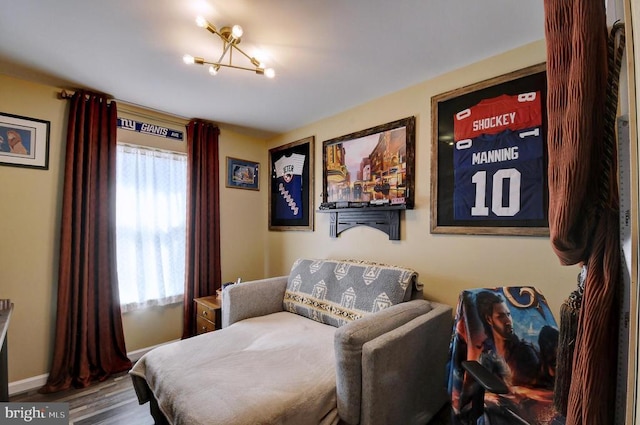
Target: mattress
(274, 369)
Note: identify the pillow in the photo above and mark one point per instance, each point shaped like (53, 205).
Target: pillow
(336, 292)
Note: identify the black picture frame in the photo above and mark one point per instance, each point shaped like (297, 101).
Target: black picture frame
(444, 107)
(243, 174)
(291, 186)
(383, 167)
(24, 141)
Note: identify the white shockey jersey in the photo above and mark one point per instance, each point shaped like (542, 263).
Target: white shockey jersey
(289, 186)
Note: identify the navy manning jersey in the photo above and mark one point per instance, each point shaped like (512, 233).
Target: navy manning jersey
(499, 176)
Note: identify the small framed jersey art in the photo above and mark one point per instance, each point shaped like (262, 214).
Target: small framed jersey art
(489, 157)
(291, 186)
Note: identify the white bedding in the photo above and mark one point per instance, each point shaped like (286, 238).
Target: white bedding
(274, 369)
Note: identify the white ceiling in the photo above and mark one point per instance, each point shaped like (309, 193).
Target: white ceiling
(329, 55)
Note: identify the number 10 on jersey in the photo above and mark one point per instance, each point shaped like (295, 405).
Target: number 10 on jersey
(499, 176)
(508, 178)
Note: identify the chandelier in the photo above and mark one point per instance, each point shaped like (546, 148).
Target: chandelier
(230, 37)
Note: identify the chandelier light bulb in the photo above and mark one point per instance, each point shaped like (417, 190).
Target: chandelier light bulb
(201, 22)
(237, 31)
(230, 38)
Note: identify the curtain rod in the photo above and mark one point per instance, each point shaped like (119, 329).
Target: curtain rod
(132, 109)
(68, 94)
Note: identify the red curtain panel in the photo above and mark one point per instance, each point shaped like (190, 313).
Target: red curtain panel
(89, 340)
(583, 200)
(202, 272)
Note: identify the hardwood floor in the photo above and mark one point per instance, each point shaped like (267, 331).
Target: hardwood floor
(114, 402)
(110, 402)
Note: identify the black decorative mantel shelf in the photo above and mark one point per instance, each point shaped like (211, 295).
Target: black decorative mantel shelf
(386, 219)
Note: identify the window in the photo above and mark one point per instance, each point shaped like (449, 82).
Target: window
(150, 226)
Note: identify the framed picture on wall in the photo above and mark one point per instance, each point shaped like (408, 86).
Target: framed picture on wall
(24, 141)
(372, 166)
(291, 186)
(242, 174)
(489, 157)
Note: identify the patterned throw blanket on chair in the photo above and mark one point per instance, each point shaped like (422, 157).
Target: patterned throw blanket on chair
(511, 331)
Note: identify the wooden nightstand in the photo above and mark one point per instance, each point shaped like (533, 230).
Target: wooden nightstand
(208, 314)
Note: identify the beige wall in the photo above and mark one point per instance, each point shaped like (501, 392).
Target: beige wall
(29, 225)
(447, 263)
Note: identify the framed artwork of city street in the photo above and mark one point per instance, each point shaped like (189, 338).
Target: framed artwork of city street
(489, 157)
(371, 167)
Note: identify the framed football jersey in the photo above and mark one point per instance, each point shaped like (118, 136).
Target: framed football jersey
(489, 157)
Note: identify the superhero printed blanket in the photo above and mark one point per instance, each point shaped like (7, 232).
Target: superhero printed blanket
(511, 331)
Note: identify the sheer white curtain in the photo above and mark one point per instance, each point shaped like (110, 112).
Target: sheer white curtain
(150, 226)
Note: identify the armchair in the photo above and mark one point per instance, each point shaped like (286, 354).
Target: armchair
(288, 353)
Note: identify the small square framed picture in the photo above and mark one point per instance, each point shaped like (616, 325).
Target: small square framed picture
(24, 141)
(242, 174)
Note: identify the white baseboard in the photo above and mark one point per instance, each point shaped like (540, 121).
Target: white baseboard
(135, 355)
(35, 382)
(28, 384)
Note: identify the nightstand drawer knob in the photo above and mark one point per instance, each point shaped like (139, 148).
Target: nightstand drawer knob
(204, 313)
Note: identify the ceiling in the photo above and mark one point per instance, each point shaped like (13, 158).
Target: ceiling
(328, 55)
